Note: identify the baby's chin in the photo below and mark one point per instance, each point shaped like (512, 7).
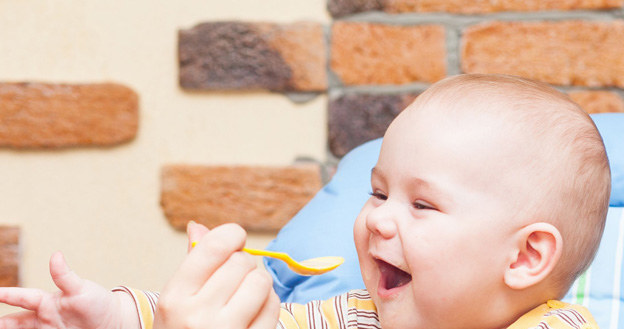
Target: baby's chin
(400, 318)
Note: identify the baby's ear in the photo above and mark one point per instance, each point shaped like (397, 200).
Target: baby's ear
(537, 251)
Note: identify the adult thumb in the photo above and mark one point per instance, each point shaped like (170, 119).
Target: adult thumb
(195, 233)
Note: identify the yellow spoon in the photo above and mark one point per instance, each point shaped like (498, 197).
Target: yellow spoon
(312, 266)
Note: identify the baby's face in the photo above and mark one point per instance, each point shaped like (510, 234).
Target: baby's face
(434, 238)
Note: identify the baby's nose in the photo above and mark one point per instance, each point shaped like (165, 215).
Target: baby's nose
(382, 221)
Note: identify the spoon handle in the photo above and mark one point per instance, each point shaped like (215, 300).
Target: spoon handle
(259, 252)
(267, 253)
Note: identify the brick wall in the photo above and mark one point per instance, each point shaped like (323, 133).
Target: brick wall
(383, 53)
(378, 57)
(372, 59)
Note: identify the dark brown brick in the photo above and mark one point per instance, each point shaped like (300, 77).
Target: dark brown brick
(600, 101)
(257, 198)
(563, 53)
(42, 115)
(369, 54)
(248, 56)
(358, 118)
(338, 8)
(9, 256)
(345, 7)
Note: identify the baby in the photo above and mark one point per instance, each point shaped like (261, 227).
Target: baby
(488, 200)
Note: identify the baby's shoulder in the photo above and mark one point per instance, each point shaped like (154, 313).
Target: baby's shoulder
(555, 314)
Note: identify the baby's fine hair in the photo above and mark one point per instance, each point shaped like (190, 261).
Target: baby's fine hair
(570, 164)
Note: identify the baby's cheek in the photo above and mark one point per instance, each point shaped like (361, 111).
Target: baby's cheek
(360, 233)
(359, 223)
(361, 239)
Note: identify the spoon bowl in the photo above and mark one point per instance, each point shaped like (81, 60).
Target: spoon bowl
(312, 266)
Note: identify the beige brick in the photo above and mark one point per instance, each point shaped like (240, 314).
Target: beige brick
(488, 6)
(563, 53)
(598, 101)
(257, 198)
(9, 256)
(366, 54)
(42, 115)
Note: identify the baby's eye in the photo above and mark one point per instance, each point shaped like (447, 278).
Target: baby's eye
(422, 206)
(379, 195)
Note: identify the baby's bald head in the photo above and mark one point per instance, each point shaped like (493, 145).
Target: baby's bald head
(553, 142)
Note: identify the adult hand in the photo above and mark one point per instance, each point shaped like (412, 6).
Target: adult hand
(218, 286)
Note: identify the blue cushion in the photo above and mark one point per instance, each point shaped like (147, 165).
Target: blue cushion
(325, 227)
(611, 127)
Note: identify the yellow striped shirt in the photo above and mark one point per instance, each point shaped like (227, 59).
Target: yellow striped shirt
(355, 309)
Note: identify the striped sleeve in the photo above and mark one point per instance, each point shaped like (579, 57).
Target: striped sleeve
(361, 311)
(145, 302)
(351, 310)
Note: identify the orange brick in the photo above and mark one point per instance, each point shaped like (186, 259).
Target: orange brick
(486, 6)
(364, 54)
(303, 47)
(9, 256)
(40, 115)
(257, 198)
(598, 101)
(563, 53)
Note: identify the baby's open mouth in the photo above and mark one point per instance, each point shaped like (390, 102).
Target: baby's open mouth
(392, 276)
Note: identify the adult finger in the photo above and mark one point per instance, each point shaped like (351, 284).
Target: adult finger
(209, 254)
(195, 232)
(249, 299)
(26, 298)
(269, 314)
(21, 320)
(64, 278)
(227, 278)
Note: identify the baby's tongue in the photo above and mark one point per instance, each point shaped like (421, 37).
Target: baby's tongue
(392, 276)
